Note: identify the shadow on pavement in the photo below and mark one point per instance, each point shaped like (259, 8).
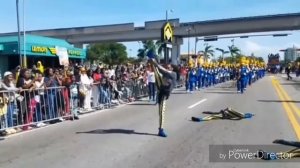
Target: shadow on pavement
(225, 87)
(179, 92)
(294, 83)
(222, 88)
(279, 101)
(114, 131)
(139, 100)
(220, 92)
(141, 104)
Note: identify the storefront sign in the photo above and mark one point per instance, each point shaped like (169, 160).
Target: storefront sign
(38, 49)
(167, 33)
(53, 51)
(74, 52)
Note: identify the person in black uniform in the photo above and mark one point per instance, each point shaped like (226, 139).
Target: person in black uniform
(288, 71)
(165, 81)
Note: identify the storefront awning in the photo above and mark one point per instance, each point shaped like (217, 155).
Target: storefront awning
(38, 46)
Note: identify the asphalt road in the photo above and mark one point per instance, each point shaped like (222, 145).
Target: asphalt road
(126, 136)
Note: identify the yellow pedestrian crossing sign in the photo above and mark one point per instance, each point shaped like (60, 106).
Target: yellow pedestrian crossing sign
(167, 33)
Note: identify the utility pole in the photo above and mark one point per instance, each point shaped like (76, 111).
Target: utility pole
(189, 30)
(196, 41)
(166, 49)
(19, 33)
(24, 37)
(167, 14)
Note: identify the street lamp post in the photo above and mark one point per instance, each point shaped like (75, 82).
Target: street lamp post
(167, 13)
(222, 52)
(24, 37)
(205, 53)
(188, 30)
(166, 49)
(232, 56)
(19, 33)
(196, 41)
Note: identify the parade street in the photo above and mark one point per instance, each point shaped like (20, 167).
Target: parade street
(127, 135)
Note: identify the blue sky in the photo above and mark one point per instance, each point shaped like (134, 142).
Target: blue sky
(45, 14)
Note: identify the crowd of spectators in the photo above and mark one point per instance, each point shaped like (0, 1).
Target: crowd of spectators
(38, 96)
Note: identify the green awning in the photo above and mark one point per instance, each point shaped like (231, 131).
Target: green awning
(39, 46)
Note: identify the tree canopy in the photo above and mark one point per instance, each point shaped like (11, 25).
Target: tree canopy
(108, 53)
(208, 52)
(148, 45)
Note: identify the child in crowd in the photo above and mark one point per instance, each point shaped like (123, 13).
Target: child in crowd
(74, 97)
(39, 97)
(3, 112)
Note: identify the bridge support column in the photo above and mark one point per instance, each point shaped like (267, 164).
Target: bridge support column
(175, 56)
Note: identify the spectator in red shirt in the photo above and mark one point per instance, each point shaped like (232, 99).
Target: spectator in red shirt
(97, 76)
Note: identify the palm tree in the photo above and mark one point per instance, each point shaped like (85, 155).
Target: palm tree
(223, 53)
(208, 51)
(234, 52)
(148, 45)
(159, 47)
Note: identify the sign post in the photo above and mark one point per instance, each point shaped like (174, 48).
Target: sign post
(167, 34)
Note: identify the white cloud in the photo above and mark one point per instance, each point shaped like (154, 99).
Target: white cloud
(297, 45)
(260, 50)
(252, 47)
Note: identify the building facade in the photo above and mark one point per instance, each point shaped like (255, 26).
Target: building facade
(37, 48)
(291, 54)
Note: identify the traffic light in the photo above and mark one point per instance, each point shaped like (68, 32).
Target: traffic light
(279, 35)
(214, 38)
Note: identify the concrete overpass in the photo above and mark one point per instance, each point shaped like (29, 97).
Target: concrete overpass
(151, 30)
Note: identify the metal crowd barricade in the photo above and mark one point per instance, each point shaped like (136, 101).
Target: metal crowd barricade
(181, 81)
(101, 96)
(26, 108)
(140, 89)
(126, 89)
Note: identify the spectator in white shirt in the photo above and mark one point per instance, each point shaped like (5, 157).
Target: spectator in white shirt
(9, 85)
(86, 89)
(151, 83)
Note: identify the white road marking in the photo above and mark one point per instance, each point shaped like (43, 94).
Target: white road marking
(196, 104)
